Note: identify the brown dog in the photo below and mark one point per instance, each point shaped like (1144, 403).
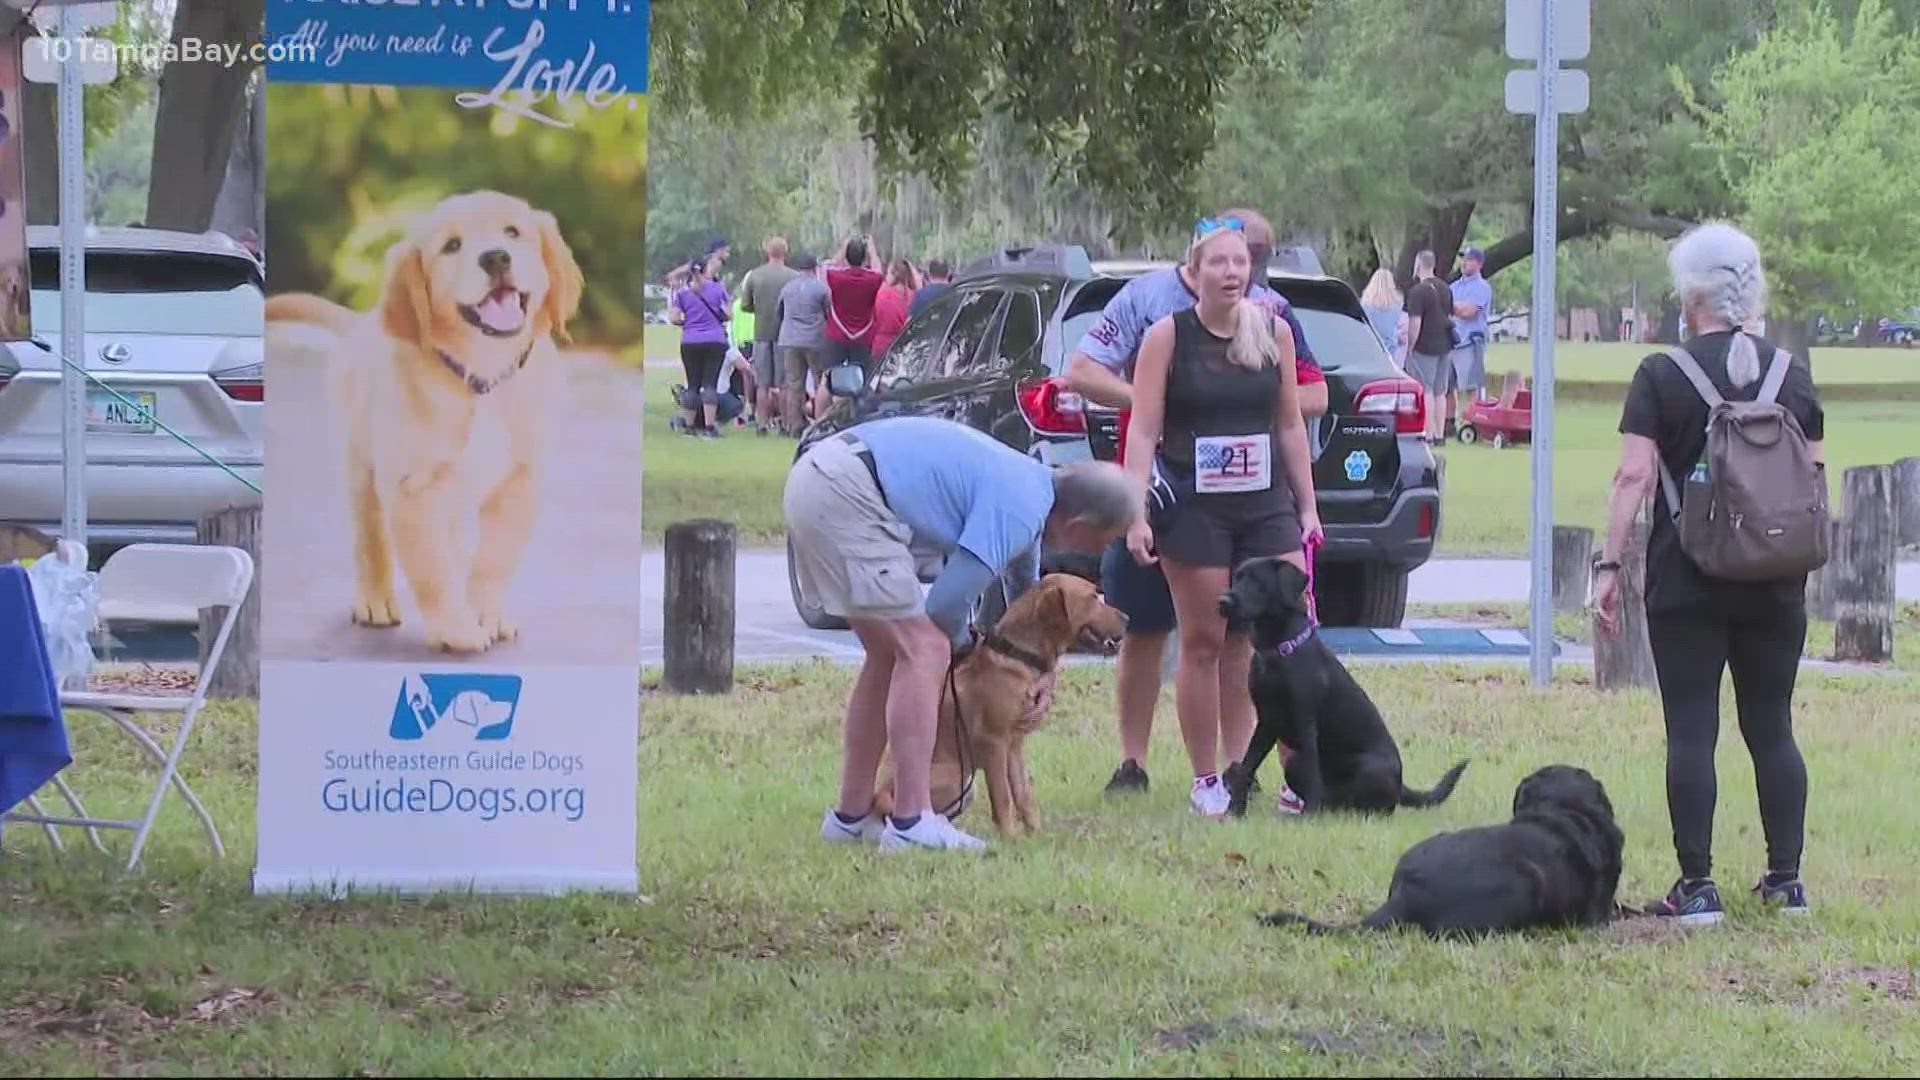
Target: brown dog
(987, 698)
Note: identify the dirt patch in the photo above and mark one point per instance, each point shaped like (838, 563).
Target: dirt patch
(1824, 988)
(1366, 1040)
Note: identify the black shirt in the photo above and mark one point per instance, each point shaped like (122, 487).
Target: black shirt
(1663, 405)
(1210, 395)
(1432, 302)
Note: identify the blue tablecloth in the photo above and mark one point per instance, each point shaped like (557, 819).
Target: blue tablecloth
(33, 733)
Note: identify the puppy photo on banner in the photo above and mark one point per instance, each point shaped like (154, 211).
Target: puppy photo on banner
(456, 207)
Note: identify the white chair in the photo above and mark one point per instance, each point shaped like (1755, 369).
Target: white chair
(137, 581)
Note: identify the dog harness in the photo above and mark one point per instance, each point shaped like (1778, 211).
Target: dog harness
(474, 382)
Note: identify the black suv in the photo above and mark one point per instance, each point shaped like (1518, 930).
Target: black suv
(992, 354)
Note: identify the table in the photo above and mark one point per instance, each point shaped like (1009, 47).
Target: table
(33, 732)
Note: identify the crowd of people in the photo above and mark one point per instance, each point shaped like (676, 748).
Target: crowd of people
(1217, 381)
(758, 356)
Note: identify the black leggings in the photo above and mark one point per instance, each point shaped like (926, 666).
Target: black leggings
(1690, 650)
(702, 364)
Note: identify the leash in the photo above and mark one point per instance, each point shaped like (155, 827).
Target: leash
(1295, 643)
(959, 805)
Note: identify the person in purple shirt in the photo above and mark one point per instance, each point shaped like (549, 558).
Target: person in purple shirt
(700, 310)
(1101, 370)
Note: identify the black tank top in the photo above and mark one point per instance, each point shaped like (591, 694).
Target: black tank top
(1207, 394)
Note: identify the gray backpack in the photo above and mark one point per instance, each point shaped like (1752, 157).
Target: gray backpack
(1756, 503)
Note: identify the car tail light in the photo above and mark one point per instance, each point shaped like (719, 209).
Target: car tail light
(1426, 521)
(1404, 399)
(246, 383)
(1052, 409)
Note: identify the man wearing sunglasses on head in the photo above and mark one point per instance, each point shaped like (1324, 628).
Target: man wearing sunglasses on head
(1101, 370)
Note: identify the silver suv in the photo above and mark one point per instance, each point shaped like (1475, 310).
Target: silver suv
(174, 321)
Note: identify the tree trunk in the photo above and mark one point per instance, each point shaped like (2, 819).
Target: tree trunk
(200, 108)
(699, 603)
(238, 675)
(1572, 567)
(1863, 588)
(40, 134)
(241, 204)
(1791, 333)
(1906, 503)
(1626, 660)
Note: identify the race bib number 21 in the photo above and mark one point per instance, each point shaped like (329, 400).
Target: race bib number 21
(1232, 463)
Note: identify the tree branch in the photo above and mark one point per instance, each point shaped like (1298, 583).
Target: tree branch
(1582, 222)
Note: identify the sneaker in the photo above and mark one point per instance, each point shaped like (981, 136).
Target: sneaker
(835, 831)
(1289, 803)
(1129, 778)
(1789, 897)
(931, 831)
(1695, 904)
(1209, 797)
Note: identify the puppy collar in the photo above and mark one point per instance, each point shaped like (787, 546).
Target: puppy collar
(474, 382)
(1295, 643)
(1006, 648)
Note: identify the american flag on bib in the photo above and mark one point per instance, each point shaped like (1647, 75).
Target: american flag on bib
(1226, 459)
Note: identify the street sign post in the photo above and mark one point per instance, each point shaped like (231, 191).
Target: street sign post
(1545, 31)
(73, 284)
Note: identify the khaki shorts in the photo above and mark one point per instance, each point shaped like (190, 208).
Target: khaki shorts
(850, 552)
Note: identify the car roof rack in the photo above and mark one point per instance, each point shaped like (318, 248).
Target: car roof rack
(1068, 259)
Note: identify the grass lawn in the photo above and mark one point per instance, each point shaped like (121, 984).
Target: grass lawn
(740, 477)
(1614, 362)
(1119, 941)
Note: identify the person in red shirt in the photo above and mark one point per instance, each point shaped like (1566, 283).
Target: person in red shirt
(853, 285)
(890, 306)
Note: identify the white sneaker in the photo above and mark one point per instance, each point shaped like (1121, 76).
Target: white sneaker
(931, 831)
(1209, 797)
(1287, 802)
(835, 831)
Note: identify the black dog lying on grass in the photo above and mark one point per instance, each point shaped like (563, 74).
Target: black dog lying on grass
(1344, 758)
(1556, 864)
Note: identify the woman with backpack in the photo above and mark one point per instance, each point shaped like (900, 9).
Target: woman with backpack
(1725, 434)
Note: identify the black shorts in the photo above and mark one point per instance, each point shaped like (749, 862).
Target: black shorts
(1227, 530)
(841, 352)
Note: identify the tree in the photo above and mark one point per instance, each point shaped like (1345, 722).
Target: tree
(105, 107)
(201, 105)
(1813, 131)
(1119, 97)
(1382, 129)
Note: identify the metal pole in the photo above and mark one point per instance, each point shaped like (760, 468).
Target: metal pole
(1546, 208)
(73, 212)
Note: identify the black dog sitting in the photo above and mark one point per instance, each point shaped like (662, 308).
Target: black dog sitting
(1344, 758)
(1556, 864)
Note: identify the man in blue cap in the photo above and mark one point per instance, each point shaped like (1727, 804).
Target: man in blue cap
(1472, 297)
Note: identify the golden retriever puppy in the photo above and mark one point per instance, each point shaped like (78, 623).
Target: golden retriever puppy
(445, 395)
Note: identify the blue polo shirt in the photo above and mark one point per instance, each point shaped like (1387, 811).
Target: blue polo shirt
(961, 491)
(1477, 290)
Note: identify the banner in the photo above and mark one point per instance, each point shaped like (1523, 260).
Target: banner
(450, 622)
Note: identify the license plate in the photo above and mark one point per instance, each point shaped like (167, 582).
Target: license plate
(106, 413)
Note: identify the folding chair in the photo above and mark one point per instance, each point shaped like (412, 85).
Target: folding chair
(136, 582)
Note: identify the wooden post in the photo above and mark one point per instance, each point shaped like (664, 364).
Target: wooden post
(1626, 660)
(20, 542)
(699, 605)
(1572, 567)
(1906, 502)
(1863, 585)
(239, 673)
(1820, 582)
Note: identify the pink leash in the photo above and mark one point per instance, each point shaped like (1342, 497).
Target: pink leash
(1310, 548)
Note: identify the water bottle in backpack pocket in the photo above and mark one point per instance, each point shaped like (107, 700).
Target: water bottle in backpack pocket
(1754, 508)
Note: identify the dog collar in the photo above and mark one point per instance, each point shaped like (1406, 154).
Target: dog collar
(474, 382)
(1008, 649)
(1294, 644)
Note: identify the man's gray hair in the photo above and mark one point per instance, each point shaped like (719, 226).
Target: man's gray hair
(1716, 269)
(1097, 492)
(1423, 261)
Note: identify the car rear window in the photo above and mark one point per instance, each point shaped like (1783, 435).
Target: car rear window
(154, 293)
(1343, 341)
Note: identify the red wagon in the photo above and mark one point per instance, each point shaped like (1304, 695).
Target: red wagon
(1502, 421)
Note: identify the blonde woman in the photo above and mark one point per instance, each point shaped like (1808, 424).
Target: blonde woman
(1383, 302)
(1216, 426)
